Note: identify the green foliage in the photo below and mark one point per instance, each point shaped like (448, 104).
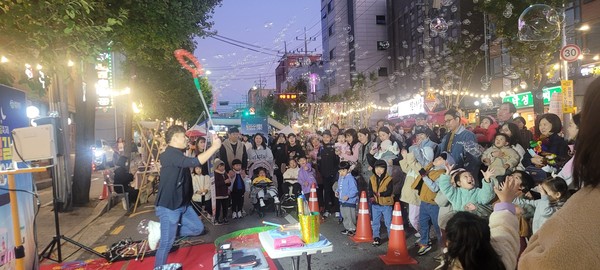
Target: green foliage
(50, 32)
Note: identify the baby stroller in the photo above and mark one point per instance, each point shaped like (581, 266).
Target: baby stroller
(268, 192)
(291, 191)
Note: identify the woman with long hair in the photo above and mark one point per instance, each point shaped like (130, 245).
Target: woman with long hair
(570, 239)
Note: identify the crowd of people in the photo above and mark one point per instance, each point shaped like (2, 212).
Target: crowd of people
(489, 194)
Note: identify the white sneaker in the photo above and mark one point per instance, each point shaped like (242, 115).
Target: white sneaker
(239, 214)
(234, 215)
(337, 214)
(276, 200)
(418, 235)
(262, 203)
(153, 234)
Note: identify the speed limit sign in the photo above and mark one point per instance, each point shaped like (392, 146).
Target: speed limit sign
(570, 53)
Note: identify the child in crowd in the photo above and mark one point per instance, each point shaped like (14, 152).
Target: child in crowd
(291, 186)
(463, 195)
(555, 193)
(306, 176)
(428, 210)
(222, 184)
(486, 131)
(474, 243)
(382, 199)
(501, 156)
(201, 198)
(347, 193)
(238, 188)
(264, 184)
(341, 146)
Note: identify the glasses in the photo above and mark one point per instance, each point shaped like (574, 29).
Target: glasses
(448, 120)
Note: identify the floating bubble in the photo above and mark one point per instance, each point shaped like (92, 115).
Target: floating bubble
(433, 34)
(539, 95)
(385, 44)
(405, 46)
(438, 25)
(338, 19)
(268, 25)
(347, 28)
(469, 13)
(389, 58)
(538, 22)
(585, 51)
(453, 8)
(400, 58)
(420, 29)
(466, 22)
(402, 74)
(465, 32)
(447, 3)
(423, 62)
(523, 84)
(350, 38)
(507, 13)
(485, 79)
(467, 43)
(442, 34)
(533, 46)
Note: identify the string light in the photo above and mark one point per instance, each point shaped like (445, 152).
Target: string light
(3, 59)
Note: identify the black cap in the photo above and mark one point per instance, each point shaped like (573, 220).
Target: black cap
(422, 129)
(327, 132)
(236, 161)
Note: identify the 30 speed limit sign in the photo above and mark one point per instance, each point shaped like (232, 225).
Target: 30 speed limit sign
(570, 53)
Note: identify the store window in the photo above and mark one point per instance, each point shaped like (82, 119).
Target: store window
(382, 72)
(380, 19)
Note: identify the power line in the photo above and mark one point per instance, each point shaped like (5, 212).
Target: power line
(247, 44)
(237, 45)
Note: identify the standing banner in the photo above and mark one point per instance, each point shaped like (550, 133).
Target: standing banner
(13, 115)
(252, 125)
(568, 105)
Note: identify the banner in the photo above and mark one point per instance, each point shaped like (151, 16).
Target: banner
(13, 115)
(252, 125)
(408, 107)
(568, 105)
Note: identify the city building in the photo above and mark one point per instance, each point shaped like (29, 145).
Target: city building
(428, 44)
(355, 42)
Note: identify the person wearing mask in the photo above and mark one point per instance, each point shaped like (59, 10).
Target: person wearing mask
(571, 238)
(294, 149)
(365, 160)
(280, 154)
(525, 135)
(233, 148)
(328, 162)
(175, 192)
(460, 143)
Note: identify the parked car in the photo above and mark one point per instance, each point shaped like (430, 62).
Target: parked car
(103, 154)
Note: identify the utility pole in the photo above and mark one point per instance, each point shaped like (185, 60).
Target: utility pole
(306, 60)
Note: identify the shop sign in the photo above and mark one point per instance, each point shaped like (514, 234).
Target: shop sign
(409, 107)
(589, 71)
(525, 100)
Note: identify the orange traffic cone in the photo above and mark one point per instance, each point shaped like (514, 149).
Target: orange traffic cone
(364, 233)
(313, 201)
(104, 194)
(397, 252)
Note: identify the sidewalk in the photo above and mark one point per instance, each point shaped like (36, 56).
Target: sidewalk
(75, 224)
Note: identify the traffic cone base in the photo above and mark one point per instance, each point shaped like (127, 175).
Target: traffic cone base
(397, 252)
(364, 232)
(104, 194)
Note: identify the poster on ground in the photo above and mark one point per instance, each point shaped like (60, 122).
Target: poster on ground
(12, 115)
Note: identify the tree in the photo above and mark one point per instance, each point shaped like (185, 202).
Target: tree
(531, 58)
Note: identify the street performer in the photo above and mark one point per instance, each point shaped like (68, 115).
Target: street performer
(175, 191)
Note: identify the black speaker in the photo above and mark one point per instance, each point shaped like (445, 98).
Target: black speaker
(58, 132)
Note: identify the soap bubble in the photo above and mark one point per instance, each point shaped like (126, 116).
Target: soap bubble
(523, 84)
(347, 28)
(433, 34)
(447, 3)
(400, 58)
(539, 95)
(427, 20)
(338, 19)
(438, 25)
(539, 22)
(507, 13)
(466, 21)
(453, 8)
(350, 38)
(268, 25)
(420, 29)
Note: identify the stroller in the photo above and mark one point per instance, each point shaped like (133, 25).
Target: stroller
(291, 191)
(267, 189)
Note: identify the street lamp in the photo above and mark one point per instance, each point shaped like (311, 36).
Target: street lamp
(584, 27)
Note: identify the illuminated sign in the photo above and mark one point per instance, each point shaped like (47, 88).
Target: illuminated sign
(408, 107)
(525, 100)
(589, 71)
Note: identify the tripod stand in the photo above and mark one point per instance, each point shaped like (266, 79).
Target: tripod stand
(55, 243)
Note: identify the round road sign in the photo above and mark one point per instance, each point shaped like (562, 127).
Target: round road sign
(570, 53)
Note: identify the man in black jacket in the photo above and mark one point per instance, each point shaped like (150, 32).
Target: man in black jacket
(175, 191)
(328, 162)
